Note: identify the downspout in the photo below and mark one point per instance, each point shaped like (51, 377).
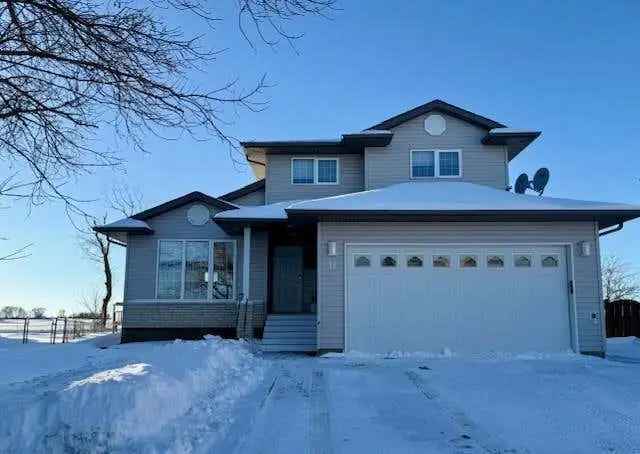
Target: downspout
(615, 229)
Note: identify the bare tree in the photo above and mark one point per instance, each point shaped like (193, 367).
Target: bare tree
(9, 188)
(38, 312)
(91, 305)
(96, 247)
(70, 67)
(618, 281)
(13, 312)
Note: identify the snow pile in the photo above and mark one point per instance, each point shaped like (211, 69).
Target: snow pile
(162, 397)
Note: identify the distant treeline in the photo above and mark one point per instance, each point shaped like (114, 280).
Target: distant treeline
(39, 312)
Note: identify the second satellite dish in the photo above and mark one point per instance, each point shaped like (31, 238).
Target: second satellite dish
(539, 182)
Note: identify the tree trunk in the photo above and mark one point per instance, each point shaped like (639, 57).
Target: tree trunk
(108, 280)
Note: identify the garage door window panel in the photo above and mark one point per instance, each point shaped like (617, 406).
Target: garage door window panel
(388, 261)
(523, 261)
(415, 261)
(550, 261)
(361, 261)
(441, 261)
(468, 261)
(495, 262)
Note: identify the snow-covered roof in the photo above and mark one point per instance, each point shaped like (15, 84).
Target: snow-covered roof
(442, 197)
(448, 196)
(370, 131)
(512, 131)
(127, 224)
(274, 211)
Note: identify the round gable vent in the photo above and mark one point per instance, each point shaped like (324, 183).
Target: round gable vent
(198, 214)
(435, 125)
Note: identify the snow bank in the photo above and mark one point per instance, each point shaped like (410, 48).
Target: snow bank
(153, 397)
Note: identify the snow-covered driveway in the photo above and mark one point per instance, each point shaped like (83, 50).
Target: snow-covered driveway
(325, 406)
(552, 404)
(216, 396)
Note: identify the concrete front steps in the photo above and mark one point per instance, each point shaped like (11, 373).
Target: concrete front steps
(290, 333)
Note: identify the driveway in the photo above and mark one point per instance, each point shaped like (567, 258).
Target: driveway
(529, 404)
(333, 405)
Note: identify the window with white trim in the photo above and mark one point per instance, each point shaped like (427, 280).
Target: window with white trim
(436, 163)
(314, 170)
(185, 268)
(303, 171)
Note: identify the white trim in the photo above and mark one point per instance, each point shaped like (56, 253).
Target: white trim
(573, 308)
(603, 327)
(315, 160)
(209, 298)
(246, 263)
(436, 163)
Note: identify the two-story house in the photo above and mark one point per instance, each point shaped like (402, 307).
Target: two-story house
(401, 237)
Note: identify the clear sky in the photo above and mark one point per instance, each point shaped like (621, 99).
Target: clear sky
(569, 69)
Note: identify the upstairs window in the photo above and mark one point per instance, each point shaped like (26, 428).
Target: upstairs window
(435, 163)
(314, 171)
(423, 164)
(327, 171)
(449, 163)
(303, 171)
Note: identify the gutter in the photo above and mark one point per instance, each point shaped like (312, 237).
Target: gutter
(613, 230)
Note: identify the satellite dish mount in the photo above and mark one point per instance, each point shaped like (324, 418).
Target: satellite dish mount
(538, 184)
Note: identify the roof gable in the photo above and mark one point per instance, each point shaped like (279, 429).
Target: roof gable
(439, 106)
(195, 196)
(244, 190)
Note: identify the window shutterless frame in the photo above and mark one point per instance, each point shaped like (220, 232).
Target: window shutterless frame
(436, 163)
(209, 298)
(315, 170)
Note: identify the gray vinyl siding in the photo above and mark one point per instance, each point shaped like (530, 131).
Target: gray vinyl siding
(140, 307)
(253, 198)
(588, 292)
(481, 164)
(278, 179)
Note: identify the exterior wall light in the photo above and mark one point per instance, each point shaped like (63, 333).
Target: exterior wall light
(584, 248)
(332, 248)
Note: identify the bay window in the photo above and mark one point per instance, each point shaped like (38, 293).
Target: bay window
(198, 270)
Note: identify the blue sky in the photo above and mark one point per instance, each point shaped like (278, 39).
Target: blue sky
(569, 69)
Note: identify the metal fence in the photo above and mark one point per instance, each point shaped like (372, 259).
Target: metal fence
(53, 330)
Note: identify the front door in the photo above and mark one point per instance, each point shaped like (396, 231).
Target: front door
(287, 279)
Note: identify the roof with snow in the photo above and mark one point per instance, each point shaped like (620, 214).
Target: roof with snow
(439, 201)
(125, 224)
(272, 212)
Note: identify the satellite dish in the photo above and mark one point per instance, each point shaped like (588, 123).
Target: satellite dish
(540, 180)
(522, 183)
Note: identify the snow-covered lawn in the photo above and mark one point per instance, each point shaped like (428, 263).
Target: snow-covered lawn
(218, 396)
(144, 397)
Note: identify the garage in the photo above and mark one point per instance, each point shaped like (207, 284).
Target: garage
(463, 298)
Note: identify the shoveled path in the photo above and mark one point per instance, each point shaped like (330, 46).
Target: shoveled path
(316, 405)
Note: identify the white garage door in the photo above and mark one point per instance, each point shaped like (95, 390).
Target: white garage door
(468, 299)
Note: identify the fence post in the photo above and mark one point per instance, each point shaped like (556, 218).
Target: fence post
(25, 330)
(54, 330)
(64, 331)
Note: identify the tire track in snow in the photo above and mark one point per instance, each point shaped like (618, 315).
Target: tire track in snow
(472, 438)
(319, 424)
